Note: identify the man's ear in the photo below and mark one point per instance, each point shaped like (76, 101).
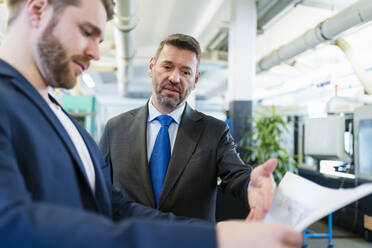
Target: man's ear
(35, 9)
(151, 65)
(196, 79)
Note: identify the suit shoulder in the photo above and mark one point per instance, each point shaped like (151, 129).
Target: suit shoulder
(8, 93)
(123, 117)
(210, 120)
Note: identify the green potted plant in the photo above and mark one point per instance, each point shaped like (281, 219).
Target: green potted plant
(265, 140)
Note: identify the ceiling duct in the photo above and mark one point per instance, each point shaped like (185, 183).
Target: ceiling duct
(263, 6)
(125, 23)
(330, 29)
(267, 10)
(219, 41)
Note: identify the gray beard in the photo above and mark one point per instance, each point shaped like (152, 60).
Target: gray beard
(167, 104)
(170, 105)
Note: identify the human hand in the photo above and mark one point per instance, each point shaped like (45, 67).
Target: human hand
(238, 234)
(261, 190)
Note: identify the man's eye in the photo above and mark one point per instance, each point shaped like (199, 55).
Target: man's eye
(187, 73)
(167, 67)
(86, 32)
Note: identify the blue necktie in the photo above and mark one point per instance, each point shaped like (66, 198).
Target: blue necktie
(160, 156)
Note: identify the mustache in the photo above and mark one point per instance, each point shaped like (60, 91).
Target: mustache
(171, 86)
(82, 59)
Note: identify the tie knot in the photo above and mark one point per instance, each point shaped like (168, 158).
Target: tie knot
(165, 120)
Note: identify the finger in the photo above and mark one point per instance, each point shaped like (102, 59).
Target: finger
(258, 214)
(250, 215)
(269, 166)
(269, 196)
(265, 169)
(292, 238)
(255, 215)
(267, 202)
(289, 246)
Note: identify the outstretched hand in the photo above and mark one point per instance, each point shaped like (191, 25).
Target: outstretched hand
(261, 190)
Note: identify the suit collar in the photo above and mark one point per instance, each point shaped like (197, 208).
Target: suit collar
(191, 114)
(175, 114)
(8, 70)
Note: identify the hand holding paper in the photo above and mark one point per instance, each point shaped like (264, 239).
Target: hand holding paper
(299, 202)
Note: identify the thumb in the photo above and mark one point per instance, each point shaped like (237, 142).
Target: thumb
(268, 167)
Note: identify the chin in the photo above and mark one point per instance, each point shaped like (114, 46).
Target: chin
(68, 84)
(170, 101)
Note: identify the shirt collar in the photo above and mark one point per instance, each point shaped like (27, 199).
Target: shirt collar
(175, 114)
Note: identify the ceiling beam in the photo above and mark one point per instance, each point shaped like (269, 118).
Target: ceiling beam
(268, 11)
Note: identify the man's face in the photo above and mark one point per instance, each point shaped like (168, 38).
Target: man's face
(174, 76)
(68, 43)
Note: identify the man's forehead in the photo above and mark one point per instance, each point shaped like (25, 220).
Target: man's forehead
(92, 11)
(173, 53)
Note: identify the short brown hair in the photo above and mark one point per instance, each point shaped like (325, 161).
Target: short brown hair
(15, 6)
(181, 41)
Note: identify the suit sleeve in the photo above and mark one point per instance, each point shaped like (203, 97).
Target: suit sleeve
(232, 170)
(26, 222)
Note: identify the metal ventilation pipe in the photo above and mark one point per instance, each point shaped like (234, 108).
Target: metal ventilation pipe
(330, 29)
(125, 22)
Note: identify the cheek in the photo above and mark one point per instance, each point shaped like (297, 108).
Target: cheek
(72, 41)
(160, 77)
(187, 85)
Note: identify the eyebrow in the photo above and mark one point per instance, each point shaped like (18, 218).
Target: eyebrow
(186, 67)
(182, 67)
(95, 30)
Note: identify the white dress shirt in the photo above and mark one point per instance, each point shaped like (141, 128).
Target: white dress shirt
(78, 142)
(153, 126)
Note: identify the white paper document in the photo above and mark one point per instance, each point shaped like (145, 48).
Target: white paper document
(299, 202)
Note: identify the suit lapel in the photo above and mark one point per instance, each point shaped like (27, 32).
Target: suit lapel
(188, 135)
(137, 140)
(102, 193)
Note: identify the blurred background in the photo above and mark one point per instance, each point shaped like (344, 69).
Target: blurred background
(310, 59)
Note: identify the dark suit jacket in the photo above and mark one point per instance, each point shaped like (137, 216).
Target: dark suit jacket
(45, 199)
(203, 151)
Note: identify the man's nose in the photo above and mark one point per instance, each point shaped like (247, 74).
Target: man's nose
(92, 50)
(175, 76)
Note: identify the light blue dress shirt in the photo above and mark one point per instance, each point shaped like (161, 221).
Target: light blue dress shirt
(153, 126)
